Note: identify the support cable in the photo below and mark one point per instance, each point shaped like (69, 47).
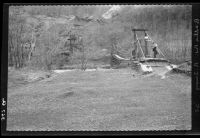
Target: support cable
(157, 47)
(140, 46)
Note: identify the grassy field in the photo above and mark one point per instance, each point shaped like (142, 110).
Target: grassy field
(101, 100)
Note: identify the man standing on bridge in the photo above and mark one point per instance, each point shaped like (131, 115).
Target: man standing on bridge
(155, 50)
(134, 53)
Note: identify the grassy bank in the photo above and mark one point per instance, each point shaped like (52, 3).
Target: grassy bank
(101, 100)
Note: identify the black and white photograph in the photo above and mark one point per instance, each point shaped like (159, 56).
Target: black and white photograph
(99, 67)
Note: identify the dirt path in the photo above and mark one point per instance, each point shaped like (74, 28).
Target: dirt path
(101, 100)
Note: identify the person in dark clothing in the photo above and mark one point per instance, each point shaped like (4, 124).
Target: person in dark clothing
(155, 50)
(134, 53)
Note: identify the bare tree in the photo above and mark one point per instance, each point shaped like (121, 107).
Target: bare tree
(83, 57)
(16, 31)
(32, 45)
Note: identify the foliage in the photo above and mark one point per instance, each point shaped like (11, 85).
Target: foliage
(46, 30)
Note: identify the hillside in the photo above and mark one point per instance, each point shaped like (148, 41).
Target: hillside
(44, 32)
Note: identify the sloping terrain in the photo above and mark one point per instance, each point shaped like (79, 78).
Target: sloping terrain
(101, 100)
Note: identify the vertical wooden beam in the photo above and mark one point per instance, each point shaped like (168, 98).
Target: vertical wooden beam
(146, 47)
(135, 44)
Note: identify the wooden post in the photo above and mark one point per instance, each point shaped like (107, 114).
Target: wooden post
(146, 48)
(135, 44)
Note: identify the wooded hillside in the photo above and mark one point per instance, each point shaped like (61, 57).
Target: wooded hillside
(54, 36)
